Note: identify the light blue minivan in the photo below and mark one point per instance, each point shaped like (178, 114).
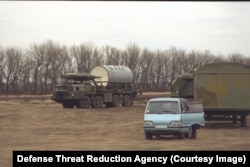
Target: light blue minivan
(173, 116)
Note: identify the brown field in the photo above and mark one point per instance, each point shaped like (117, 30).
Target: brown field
(37, 123)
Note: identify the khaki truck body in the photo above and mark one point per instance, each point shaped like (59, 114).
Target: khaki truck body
(223, 89)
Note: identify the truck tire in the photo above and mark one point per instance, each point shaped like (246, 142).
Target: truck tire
(97, 102)
(85, 102)
(108, 104)
(182, 135)
(234, 119)
(116, 101)
(243, 120)
(148, 135)
(67, 104)
(127, 101)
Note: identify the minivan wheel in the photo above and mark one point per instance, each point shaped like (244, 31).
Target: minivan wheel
(194, 133)
(148, 135)
(190, 132)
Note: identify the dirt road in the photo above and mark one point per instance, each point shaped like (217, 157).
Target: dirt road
(35, 124)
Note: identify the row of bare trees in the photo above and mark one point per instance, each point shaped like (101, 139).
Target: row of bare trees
(40, 66)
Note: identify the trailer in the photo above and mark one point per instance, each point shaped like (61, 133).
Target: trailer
(223, 88)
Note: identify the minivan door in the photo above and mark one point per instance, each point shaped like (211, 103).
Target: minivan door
(192, 113)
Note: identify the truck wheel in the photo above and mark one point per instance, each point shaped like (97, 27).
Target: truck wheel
(182, 135)
(97, 102)
(127, 101)
(148, 135)
(243, 120)
(84, 103)
(194, 133)
(108, 105)
(234, 119)
(157, 135)
(67, 104)
(116, 101)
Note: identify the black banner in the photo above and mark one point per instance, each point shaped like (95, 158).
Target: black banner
(128, 158)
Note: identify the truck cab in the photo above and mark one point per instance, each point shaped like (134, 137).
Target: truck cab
(173, 116)
(74, 89)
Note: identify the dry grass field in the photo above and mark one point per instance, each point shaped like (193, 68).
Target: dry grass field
(29, 123)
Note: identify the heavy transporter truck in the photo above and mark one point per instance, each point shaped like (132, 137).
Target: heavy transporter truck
(223, 89)
(105, 85)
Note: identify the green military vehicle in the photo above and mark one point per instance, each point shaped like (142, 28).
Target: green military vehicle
(223, 89)
(105, 85)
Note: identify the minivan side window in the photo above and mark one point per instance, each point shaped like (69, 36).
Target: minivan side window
(195, 107)
(184, 107)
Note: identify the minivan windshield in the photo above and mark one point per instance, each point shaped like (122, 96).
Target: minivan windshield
(163, 107)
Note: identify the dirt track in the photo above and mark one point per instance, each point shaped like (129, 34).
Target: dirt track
(40, 124)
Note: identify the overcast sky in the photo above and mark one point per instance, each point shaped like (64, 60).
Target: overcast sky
(221, 27)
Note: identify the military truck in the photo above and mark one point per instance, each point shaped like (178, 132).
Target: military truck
(223, 88)
(105, 85)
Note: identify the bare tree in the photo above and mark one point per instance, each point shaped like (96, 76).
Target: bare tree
(146, 75)
(194, 59)
(208, 57)
(83, 56)
(158, 69)
(36, 58)
(2, 58)
(12, 68)
(219, 58)
(61, 63)
(44, 64)
(197, 59)
(97, 58)
(176, 57)
(236, 58)
(166, 59)
(28, 65)
(112, 55)
(131, 57)
(49, 61)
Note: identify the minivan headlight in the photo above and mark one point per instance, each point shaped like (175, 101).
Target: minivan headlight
(148, 123)
(175, 123)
